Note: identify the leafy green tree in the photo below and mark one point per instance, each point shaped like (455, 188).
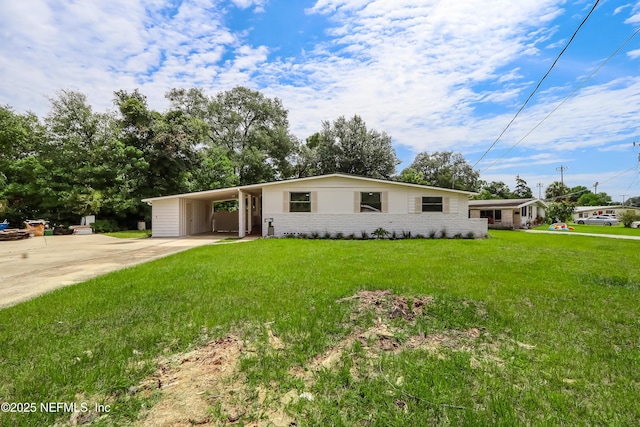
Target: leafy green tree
(522, 191)
(576, 192)
(633, 201)
(347, 146)
(412, 176)
(557, 191)
(24, 180)
(590, 199)
(252, 131)
(561, 211)
(494, 190)
(447, 170)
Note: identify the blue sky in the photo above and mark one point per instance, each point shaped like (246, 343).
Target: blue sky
(433, 74)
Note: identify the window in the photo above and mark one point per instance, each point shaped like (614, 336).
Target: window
(371, 202)
(523, 211)
(432, 204)
(299, 202)
(492, 215)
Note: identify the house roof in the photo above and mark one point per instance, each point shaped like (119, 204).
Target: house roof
(231, 192)
(598, 208)
(505, 203)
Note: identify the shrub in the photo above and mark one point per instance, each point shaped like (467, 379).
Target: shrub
(627, 217)
(443, 233)
(314, 235)
(339, 236)
(470, 235)
(432, 234)
(364, 235)
(394, 235)
(105, 226)
(326, 235)
(406, 234)
(380, 233)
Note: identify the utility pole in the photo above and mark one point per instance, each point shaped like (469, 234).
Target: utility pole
(623, 196)
(539, 189)
(595, 186)
(562, 169)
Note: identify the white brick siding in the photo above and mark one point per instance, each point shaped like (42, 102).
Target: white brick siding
(424, 223)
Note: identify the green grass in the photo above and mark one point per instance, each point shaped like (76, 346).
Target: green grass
(130, 234)
(560, 342)
(598, 229)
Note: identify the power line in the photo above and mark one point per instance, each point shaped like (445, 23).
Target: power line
(580, 86)
(578, 192)
(539, 83)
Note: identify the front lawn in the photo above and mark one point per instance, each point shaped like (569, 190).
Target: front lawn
(516, 329)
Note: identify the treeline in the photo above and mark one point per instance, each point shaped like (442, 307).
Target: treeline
(77, 162)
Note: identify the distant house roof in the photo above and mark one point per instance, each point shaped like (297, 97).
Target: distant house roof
(598, 208)
(505, 203)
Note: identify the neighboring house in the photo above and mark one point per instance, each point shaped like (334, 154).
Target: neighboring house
(587, 211)
(335, 203)
(509, 213)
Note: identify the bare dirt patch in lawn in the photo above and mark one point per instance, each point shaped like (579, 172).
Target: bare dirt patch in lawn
(206, 386)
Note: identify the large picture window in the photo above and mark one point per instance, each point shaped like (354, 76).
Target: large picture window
(432, 204)
(300, 202)
(371, 202)
(494, 216)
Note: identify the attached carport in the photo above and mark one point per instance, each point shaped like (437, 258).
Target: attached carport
(193, 213)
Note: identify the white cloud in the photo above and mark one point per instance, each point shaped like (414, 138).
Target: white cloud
(433, 74)
(634, 54)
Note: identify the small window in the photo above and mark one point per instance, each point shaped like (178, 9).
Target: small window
(371, 202)
(300, 202)
(523, 211)
(497, 215)
(432, 204)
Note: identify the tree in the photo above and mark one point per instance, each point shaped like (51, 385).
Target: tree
(412, 176)
(556, 191)
(633, 201)
(347, 146)
(590, 199)
(561, 211)
(447, 170)
(252, 131)
(522, 191)
(494, 190)
(24, 180)
(576, 192)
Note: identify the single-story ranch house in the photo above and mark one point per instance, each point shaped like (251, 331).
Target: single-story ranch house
(587, 211)
(335, 203)
(509, 213)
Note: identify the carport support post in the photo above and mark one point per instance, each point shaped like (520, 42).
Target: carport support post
(249, 213)
(241, 213)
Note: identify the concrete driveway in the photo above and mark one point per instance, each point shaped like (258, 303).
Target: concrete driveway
(34, 266)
